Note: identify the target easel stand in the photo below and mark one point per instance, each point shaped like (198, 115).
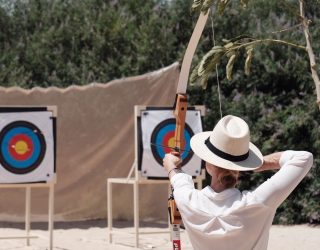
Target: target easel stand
(154, 129)
(27, 157)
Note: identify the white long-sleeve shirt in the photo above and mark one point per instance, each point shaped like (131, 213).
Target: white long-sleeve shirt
(237, 220)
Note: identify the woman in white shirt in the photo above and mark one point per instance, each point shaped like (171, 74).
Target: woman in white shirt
(220, 217)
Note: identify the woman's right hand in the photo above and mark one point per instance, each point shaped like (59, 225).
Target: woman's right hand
(270, 162)
(170, 162)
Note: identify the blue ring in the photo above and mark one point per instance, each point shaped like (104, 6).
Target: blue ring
(36, 148)
(167, 129)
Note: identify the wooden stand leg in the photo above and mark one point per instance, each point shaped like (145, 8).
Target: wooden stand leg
(28, 211)
(50, 214)
(136, 211)
(28, 187)
(109, 216)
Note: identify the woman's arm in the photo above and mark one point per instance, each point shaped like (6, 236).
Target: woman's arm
(270, 162)
(181, 182)
(293, 165)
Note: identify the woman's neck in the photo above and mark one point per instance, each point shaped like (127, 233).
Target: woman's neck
(216, 185)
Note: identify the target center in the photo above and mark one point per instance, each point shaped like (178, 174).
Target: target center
(21, 147)
(171, 142)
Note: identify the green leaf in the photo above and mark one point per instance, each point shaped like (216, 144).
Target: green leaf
(204, 82)
(247, 66)
(244, 3)
(210, 59)
(225, 40)
(206, 5)
(197, 4)
(231, 52)
(229, 67)
(241, 37)
(228, 45)
(207, 65)
(222, 6)
(194, 75)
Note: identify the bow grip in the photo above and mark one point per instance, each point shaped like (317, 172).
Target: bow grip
(180, 111)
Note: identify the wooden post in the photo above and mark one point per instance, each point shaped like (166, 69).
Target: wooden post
(27, 187)
(28, 211)
(136, 211)
(109, 216)
(50, 215)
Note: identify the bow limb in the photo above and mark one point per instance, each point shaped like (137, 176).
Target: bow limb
(181, 102)
(187, 59)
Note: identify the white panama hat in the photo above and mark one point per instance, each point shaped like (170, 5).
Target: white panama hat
(228, 145)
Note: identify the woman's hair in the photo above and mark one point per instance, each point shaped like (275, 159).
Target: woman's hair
(228, 181)
(227, 178)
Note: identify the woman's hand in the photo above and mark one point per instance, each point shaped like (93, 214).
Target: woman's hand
(170, 162)
(270, 162)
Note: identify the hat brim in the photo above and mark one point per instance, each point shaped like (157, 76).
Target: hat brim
(254, 160)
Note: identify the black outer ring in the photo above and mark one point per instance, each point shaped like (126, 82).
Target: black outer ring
(40, 136)
(155, 133)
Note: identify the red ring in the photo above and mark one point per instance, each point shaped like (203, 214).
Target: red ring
(13, 152)
(165, 140)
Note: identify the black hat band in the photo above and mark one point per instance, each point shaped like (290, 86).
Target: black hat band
(224, 155)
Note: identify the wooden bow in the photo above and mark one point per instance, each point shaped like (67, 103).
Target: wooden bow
(180, 111)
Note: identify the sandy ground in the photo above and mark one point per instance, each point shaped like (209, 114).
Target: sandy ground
(92, 235)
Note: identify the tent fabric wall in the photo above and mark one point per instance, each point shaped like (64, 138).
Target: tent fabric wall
(95, 141)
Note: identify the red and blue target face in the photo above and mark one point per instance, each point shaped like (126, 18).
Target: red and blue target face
(22, 147)
(162, 141)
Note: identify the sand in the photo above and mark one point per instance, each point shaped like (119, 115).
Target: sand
(92, 235)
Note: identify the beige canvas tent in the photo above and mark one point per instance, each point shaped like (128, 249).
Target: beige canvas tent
(95, 141)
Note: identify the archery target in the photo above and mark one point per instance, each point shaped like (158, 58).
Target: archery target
(157, 129)
(22, 147)
(162, 141)
(26, 147)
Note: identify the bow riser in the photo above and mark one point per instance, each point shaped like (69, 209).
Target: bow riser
(180, 112)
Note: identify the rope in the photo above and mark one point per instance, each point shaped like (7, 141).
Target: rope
(217, 73)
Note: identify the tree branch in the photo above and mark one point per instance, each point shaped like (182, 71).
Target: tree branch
(313, 65)
(268, 40)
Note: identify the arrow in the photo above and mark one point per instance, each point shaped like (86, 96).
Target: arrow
(163, 146)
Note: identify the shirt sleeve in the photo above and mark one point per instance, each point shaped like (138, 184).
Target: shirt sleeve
(183, 187)
(294, 165)
(182, 180)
